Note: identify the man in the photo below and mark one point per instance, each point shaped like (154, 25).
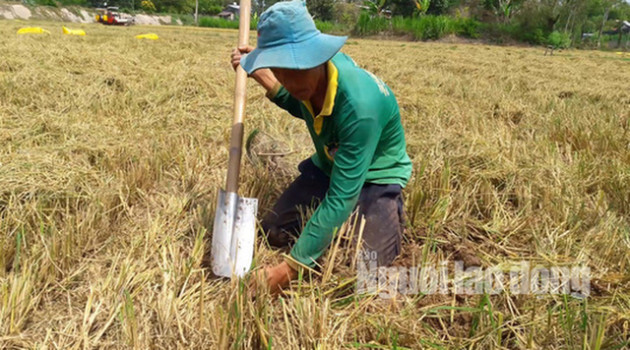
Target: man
(354, 122)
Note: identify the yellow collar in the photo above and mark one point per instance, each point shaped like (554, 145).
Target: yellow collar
(329, 100)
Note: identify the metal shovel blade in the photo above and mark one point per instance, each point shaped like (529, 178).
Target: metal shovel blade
(234, 234)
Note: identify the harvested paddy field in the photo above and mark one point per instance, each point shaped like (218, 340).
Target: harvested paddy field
(112, 150)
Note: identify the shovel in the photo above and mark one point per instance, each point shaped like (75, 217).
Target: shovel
(234, 230)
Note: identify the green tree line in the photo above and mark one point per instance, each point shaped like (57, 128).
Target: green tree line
(206, 7)
(560, 22)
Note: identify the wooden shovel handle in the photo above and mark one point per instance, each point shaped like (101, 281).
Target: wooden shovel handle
(240, 91)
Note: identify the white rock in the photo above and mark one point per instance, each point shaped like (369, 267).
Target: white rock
(69, 16)
(43, 12)
(145, 19)
(87, 18)
(164, 19)
(21, 12)
(6, 14)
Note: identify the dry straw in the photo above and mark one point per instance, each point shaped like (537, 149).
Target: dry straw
(111, 150)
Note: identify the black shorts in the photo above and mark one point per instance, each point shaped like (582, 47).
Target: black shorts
(381, 205)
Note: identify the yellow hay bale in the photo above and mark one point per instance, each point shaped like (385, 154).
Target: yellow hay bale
(32, 30)
(68, 31)
(150, 36)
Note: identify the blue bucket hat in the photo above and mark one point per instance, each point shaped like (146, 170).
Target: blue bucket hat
(288, 38)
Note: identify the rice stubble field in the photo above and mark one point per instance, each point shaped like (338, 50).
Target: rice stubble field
(112, 150)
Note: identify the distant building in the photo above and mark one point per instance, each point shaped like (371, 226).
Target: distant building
(624, 27)
(622, 32)
(230, 12)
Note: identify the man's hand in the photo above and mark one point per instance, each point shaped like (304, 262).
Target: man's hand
(237, 54)
(263, 76)
(275, 277)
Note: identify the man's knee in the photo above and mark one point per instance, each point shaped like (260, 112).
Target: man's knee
(382, 234)
(275, 234)
(385, 251)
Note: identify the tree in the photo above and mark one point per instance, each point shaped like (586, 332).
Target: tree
(175, 6)
(210, 7)
(402, 7)
(438, 7)
(422, 6)
(601, 29)
(148, 6)
(321, 9)
(374, 7)
(505, 9)
(265, 4)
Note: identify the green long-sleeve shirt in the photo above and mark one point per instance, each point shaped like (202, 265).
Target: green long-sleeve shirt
(358, 138)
